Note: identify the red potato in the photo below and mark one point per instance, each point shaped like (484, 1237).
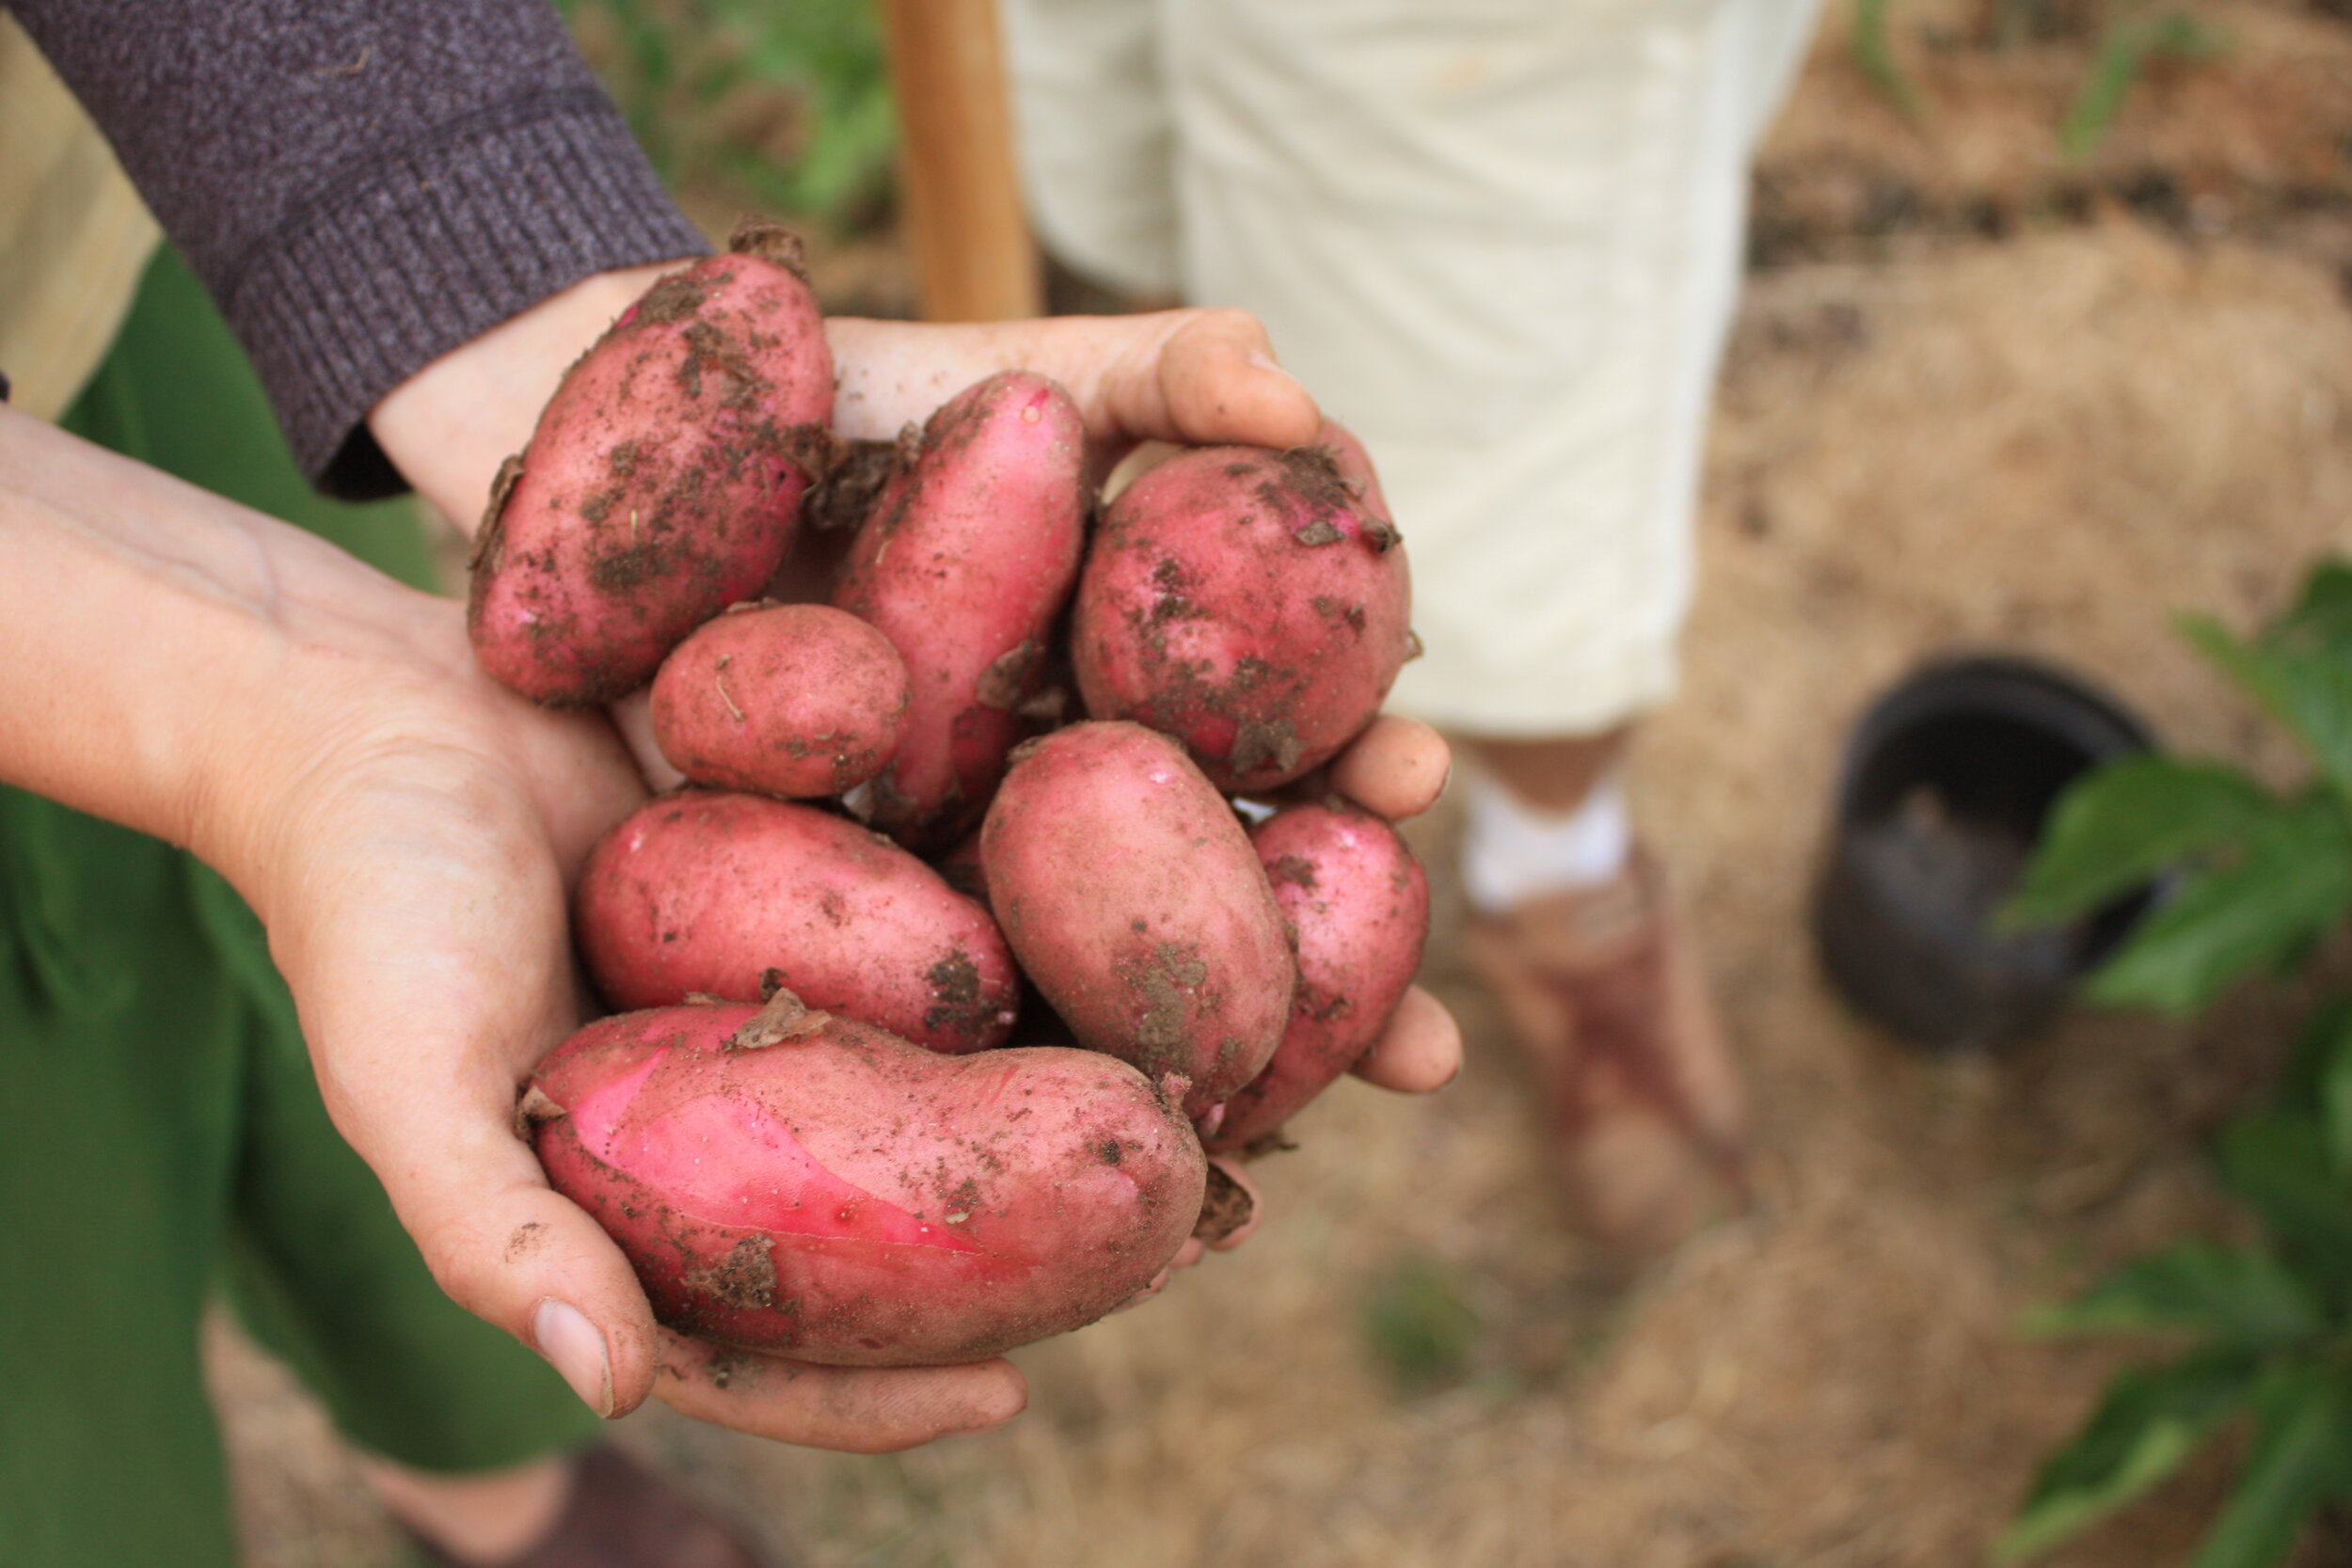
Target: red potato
(792, 1182)
(1358, 905)
(706, 893)
(799, 700)
(965, 563)
(1135, 905)
(662, 483)
(1253, 604)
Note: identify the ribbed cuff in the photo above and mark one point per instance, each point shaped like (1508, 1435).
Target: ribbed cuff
(439, 244)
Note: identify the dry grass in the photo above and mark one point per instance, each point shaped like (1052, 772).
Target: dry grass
(2044, 445)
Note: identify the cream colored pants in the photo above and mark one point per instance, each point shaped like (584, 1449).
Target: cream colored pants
(74, 237)
(1499, 239)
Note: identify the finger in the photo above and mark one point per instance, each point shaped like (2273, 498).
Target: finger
(1419, 1050)
(503, 1244)
(1192, 376)
(851, 1409)
(507, 1247)
(633, 717)
(1153, 1286)
(426, 954)
(1216, 381)
(1396, 769)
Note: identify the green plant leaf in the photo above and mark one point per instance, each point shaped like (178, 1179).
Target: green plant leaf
(2321, 621)
(2301, 1457)
(2293, 881)
(2335, 1107)
(2117, 826)
(2246, 1300)
(2123, 51)
(2277, 1162)
(1420, 1324)
(2317, 1083)
(1874, 57)
(2149, 1421)
(2308, 689)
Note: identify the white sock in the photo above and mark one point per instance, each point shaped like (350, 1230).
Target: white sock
(1513, 853)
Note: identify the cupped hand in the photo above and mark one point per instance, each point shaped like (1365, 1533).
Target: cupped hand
(414, 881)
(1190, 377)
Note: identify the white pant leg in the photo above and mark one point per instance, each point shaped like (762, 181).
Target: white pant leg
(1501, 240)
(1095, 136)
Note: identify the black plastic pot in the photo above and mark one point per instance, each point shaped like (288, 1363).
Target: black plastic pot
(1941, 801)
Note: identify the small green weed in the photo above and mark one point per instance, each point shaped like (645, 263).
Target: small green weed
(2127, 46)
(1419, 1326)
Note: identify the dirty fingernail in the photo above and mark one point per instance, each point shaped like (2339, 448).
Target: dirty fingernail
(575, 1349)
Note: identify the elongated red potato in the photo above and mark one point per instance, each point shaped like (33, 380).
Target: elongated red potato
(965, 563)
(798, 1183)
(662, 483)
(1358, 905)
(799, 700)
(1254, 604)
(711, 892)
(1136, 907)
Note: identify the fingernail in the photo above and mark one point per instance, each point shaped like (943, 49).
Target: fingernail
(1266, 362)
(574, 1348)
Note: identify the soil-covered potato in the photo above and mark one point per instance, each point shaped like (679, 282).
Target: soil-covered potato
(1358, 906)
(965, 563)
(1130, 893)
(664, 481)
(789, 1182)
(715, 893)
(799, 700)
(1253, 604)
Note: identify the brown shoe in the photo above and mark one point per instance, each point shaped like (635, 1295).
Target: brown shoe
(1648, 1116)
(623, 1515)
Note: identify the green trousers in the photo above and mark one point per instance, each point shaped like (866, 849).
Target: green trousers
(160, 1135)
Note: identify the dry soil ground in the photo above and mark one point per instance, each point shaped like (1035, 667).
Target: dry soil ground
(1980, 397)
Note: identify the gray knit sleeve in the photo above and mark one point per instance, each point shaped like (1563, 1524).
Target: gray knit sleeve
(362, 184)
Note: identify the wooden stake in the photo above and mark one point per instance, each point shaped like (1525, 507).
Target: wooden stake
(973, 259)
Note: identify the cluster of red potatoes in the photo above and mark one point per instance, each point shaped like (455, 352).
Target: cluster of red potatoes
(901, 849)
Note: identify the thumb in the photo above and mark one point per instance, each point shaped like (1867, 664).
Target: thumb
(1216, 381)
(515, 1253)
(498, 1239)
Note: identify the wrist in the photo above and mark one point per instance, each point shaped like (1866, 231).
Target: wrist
(158, 644)
(448, 427)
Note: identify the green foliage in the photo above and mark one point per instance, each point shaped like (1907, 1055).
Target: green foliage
(2127, 47)
(1420, 1326)
(2127, 822)
(2240, 1301)
(1874, 57)
(2263, 876)
(784, 107)
(2149, 1420)
(2124, 52)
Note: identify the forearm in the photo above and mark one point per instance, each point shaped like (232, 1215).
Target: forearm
(362, 184)
(155, 640)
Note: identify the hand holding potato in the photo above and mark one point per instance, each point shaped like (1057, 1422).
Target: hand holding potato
(1189, 376)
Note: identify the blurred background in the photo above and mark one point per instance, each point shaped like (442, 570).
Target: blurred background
(2047, 336)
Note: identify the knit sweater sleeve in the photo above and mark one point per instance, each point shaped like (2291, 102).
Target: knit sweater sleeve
(362, 184)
